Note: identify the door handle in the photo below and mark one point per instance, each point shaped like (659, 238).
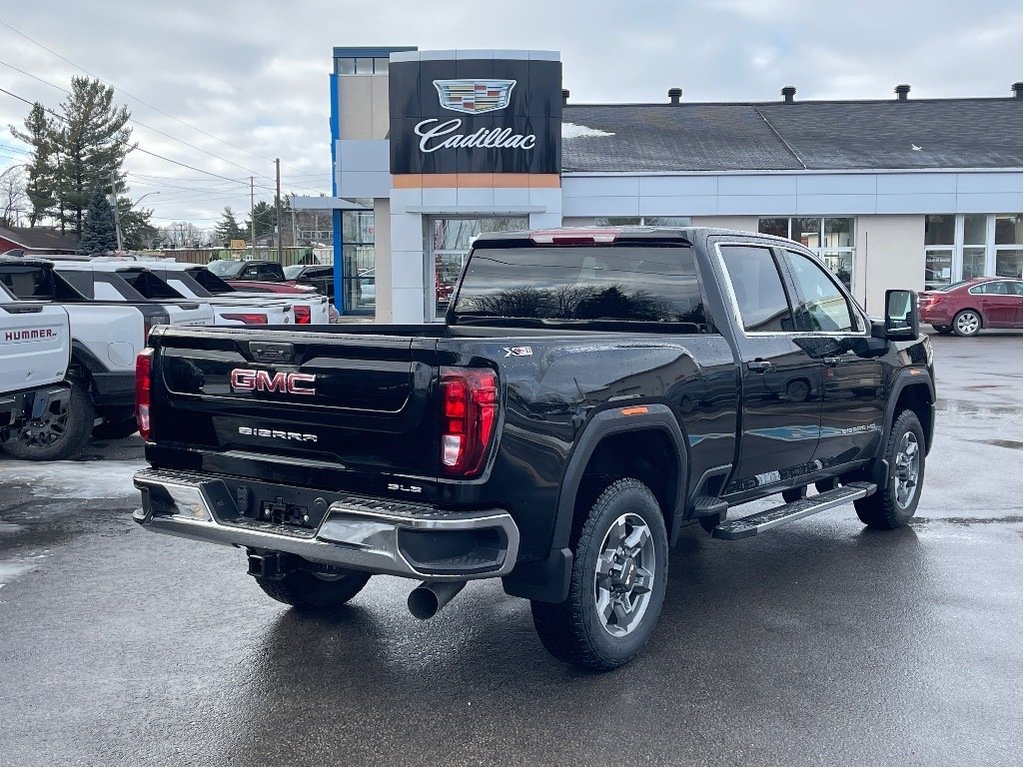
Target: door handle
(759, 366)
(831, 362)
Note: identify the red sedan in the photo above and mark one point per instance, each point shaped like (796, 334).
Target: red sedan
(965, 308)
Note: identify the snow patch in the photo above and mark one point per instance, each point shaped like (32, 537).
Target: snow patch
(10, 570)
(574, 131)
(73, 479)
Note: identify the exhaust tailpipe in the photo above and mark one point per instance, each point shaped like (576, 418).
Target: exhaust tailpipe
(431, 596)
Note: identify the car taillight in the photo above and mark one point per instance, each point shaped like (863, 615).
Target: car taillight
(303, 314)
(143, 385)
(469, 411)
(249, 318)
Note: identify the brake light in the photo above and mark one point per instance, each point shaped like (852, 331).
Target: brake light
(574, 236)
(143, 386)
(469, 411)
(303, 314)
(249, 318)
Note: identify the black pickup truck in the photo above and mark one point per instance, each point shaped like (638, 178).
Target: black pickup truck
(590, 393)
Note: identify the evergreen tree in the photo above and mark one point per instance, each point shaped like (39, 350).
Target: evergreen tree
(41, 187)
(265, 215)
(228, 227)
(92, 142)
(98, 232)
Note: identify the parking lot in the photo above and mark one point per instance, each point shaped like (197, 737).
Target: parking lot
(819, 643)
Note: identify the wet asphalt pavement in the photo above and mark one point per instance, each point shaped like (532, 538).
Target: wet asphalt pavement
(819, 643)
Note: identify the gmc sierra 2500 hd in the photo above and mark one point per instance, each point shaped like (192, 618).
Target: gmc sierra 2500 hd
(590, 393)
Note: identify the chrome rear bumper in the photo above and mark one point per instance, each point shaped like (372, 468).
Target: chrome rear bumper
(360, 532)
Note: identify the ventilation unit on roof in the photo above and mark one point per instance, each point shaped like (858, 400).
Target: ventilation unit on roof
(788, 93)
(674, 95)
(1016, 88)
(901, 91)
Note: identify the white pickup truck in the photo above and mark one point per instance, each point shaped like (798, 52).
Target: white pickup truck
(36, 418)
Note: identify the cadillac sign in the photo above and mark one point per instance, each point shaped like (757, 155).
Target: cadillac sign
(474, 96)
(509, 115)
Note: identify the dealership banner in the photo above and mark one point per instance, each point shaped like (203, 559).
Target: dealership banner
(476, 116)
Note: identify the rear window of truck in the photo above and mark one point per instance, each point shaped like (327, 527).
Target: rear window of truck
(619, 283)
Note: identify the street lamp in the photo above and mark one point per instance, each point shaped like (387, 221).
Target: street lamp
(117, 217)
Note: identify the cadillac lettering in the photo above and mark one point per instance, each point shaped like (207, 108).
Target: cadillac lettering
(249, 380)
(493, 138)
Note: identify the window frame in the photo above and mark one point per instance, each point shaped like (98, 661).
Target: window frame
(730, 291)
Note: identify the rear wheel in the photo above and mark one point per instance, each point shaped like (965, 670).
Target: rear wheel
(894, 506)
(967, 323)
(619, 576)
(60, 432)
(315, 590)
(115, 430)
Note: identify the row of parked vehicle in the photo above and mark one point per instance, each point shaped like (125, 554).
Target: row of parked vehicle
(71, 327)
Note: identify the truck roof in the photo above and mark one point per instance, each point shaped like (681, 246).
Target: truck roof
(608, 235)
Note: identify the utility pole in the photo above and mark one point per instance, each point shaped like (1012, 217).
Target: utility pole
(117, 212)
(280, 259)
(252, 215)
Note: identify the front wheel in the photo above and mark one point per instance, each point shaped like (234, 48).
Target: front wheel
(619, 576)
(967, 323)
(315, 590)
(893, 506)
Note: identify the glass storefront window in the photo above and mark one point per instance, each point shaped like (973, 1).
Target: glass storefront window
(940, 229)
(840, 264)
(938, 268)
(974, 261)
(1009, 262)
(778, 227)
(1008, 230)
(358, 287)
(839, 233)
(831, 239)
(807, 232)
(974, 229)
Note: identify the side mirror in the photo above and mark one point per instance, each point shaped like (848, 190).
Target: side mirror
(901, 318)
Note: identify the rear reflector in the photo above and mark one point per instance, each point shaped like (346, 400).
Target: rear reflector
(143, 386)
(303, 314)
(469, 411)
(249, 318)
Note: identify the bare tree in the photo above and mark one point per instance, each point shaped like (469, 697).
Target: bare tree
(12, 196)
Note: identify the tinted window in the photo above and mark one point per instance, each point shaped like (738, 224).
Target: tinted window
(111, 287)
(1017, 289)
(758, 288)
(822, 306)
(624, 283)
(81, 281)
(148, 284)
(210, 281)
(184, 284)
(270, 272)
(27, 282)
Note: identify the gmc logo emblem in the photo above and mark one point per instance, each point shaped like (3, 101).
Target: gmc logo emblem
(249, 380)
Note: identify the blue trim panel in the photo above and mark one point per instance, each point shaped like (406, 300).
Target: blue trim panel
(335, 134)
(339, 273)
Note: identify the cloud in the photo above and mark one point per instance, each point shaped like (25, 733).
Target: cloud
(251, 78)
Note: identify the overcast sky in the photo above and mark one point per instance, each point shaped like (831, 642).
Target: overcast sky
(245, 82)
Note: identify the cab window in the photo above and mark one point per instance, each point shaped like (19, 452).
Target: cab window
(757, 285)
(821, 306)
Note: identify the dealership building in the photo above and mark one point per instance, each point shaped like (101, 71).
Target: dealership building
(430, 148)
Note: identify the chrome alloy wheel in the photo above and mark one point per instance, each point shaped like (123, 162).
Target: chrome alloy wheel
(968, 323)
(624, 575)
(907, 469)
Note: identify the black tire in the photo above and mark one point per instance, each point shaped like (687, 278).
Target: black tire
(115, 430)
(794, 494)
(62, 432)
(967, 323)
(893, 506)
(943, 330)
(574, 630)
(315, 590)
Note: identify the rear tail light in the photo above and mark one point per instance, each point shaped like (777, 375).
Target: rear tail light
(143, 386)
(249, 318)
(303, 315)
(469, 411)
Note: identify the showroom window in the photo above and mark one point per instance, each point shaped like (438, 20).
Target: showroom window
(626, 221)
(829, 237)
(962, 246)
(359, 284)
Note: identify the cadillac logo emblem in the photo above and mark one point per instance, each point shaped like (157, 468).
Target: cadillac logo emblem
(474, 96)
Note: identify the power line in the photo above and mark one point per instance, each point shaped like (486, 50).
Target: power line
(131, 96)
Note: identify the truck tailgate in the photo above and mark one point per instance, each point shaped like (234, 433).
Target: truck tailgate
(352, 408)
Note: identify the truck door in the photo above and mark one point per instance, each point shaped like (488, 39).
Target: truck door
(837, 336)
(781, 380)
